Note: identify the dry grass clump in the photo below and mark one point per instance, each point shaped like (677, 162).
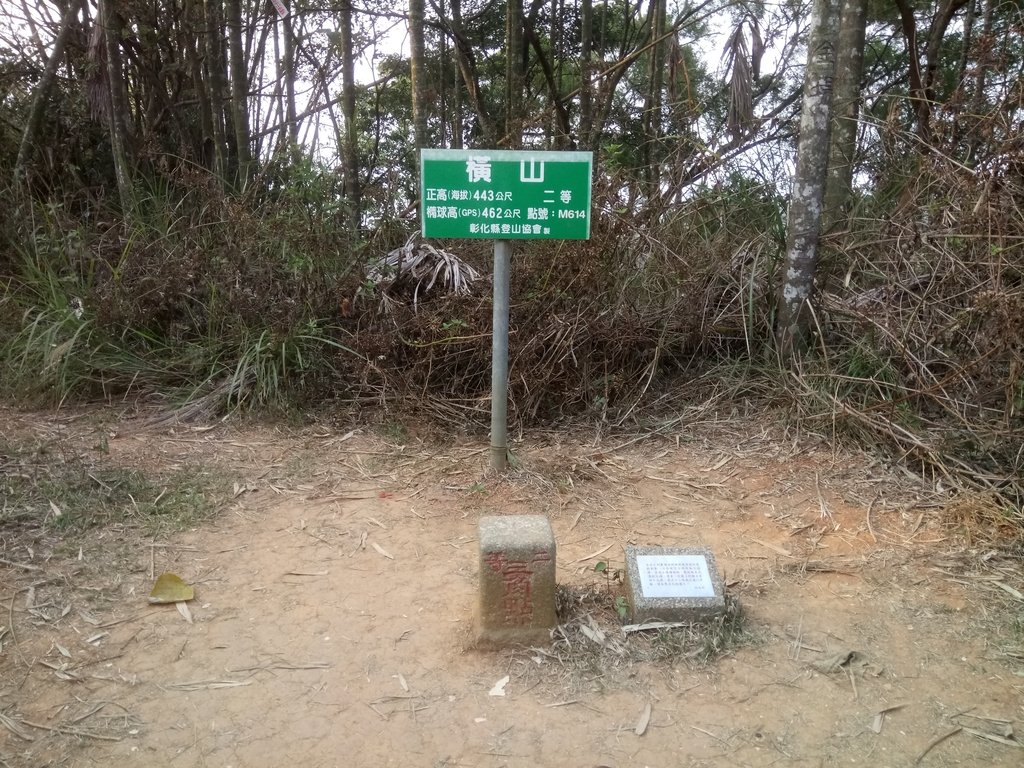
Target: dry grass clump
(985, 520)
(590, 646)
(56, 488)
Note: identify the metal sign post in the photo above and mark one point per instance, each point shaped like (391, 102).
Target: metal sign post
(499, 356)
(504, 195)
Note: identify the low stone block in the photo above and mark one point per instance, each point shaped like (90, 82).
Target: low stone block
(673, 584)
(517, 581)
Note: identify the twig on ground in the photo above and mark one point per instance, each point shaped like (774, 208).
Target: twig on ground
(14, 727)
(67, 731)
(867, 517)
(935, 742)
(23, 566)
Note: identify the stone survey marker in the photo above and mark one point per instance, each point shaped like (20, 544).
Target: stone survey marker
(517, 580)
(667, 584)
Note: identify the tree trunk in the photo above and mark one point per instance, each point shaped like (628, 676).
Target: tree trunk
(586, 51)
(845, 110)
(42, 94)
(921, 83)
(978, 109)
(558, 126)
(277, 110)
(470, 78)
(793, 318)
(289, 81)
(978, 100)
(239, 90)
(118, 117)
(194, 59)
(215, 74)
(514, 74)
(256, 73)
(557, 137)
(936, 34)
(29, 20)
(652, 105)
(417, 45)
(456, 99)
(443, 114)
(349, 150)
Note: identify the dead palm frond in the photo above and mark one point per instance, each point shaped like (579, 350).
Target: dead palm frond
(98, 84)
(744, 65)
(422, 267)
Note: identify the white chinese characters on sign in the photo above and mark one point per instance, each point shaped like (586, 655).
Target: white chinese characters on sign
(478, 168)
(440, 194)
(531, 171)
(507, 229)
(442, 212)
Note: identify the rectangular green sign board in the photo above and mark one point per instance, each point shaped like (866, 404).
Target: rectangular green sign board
(504, 194)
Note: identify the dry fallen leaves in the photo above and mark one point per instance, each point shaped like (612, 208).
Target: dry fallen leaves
(498, 689)
(644, 721)
(184, 611)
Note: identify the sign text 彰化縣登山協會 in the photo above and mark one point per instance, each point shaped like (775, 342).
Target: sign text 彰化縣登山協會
(505, 195)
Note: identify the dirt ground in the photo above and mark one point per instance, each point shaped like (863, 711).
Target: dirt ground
(335, 589)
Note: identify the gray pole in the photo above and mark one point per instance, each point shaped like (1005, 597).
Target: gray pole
(499, 357)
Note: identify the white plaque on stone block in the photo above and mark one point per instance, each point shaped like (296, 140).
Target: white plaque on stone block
(674, 576)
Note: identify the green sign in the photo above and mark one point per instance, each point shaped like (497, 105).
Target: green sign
(505, 195)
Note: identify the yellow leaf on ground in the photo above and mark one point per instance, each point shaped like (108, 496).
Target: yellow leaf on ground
(169, 588)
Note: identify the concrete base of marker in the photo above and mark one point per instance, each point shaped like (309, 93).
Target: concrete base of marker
(517, 581)
(671, 596)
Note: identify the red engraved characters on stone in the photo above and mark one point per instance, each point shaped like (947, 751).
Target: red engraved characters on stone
(517, 598)
(496, 560)
(517, 585)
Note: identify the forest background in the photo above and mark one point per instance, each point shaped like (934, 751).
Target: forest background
(205, 206)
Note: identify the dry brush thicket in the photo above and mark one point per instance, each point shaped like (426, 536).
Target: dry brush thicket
(919, 350)
(225, 302)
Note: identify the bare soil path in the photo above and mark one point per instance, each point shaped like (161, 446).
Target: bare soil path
(334, 595)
